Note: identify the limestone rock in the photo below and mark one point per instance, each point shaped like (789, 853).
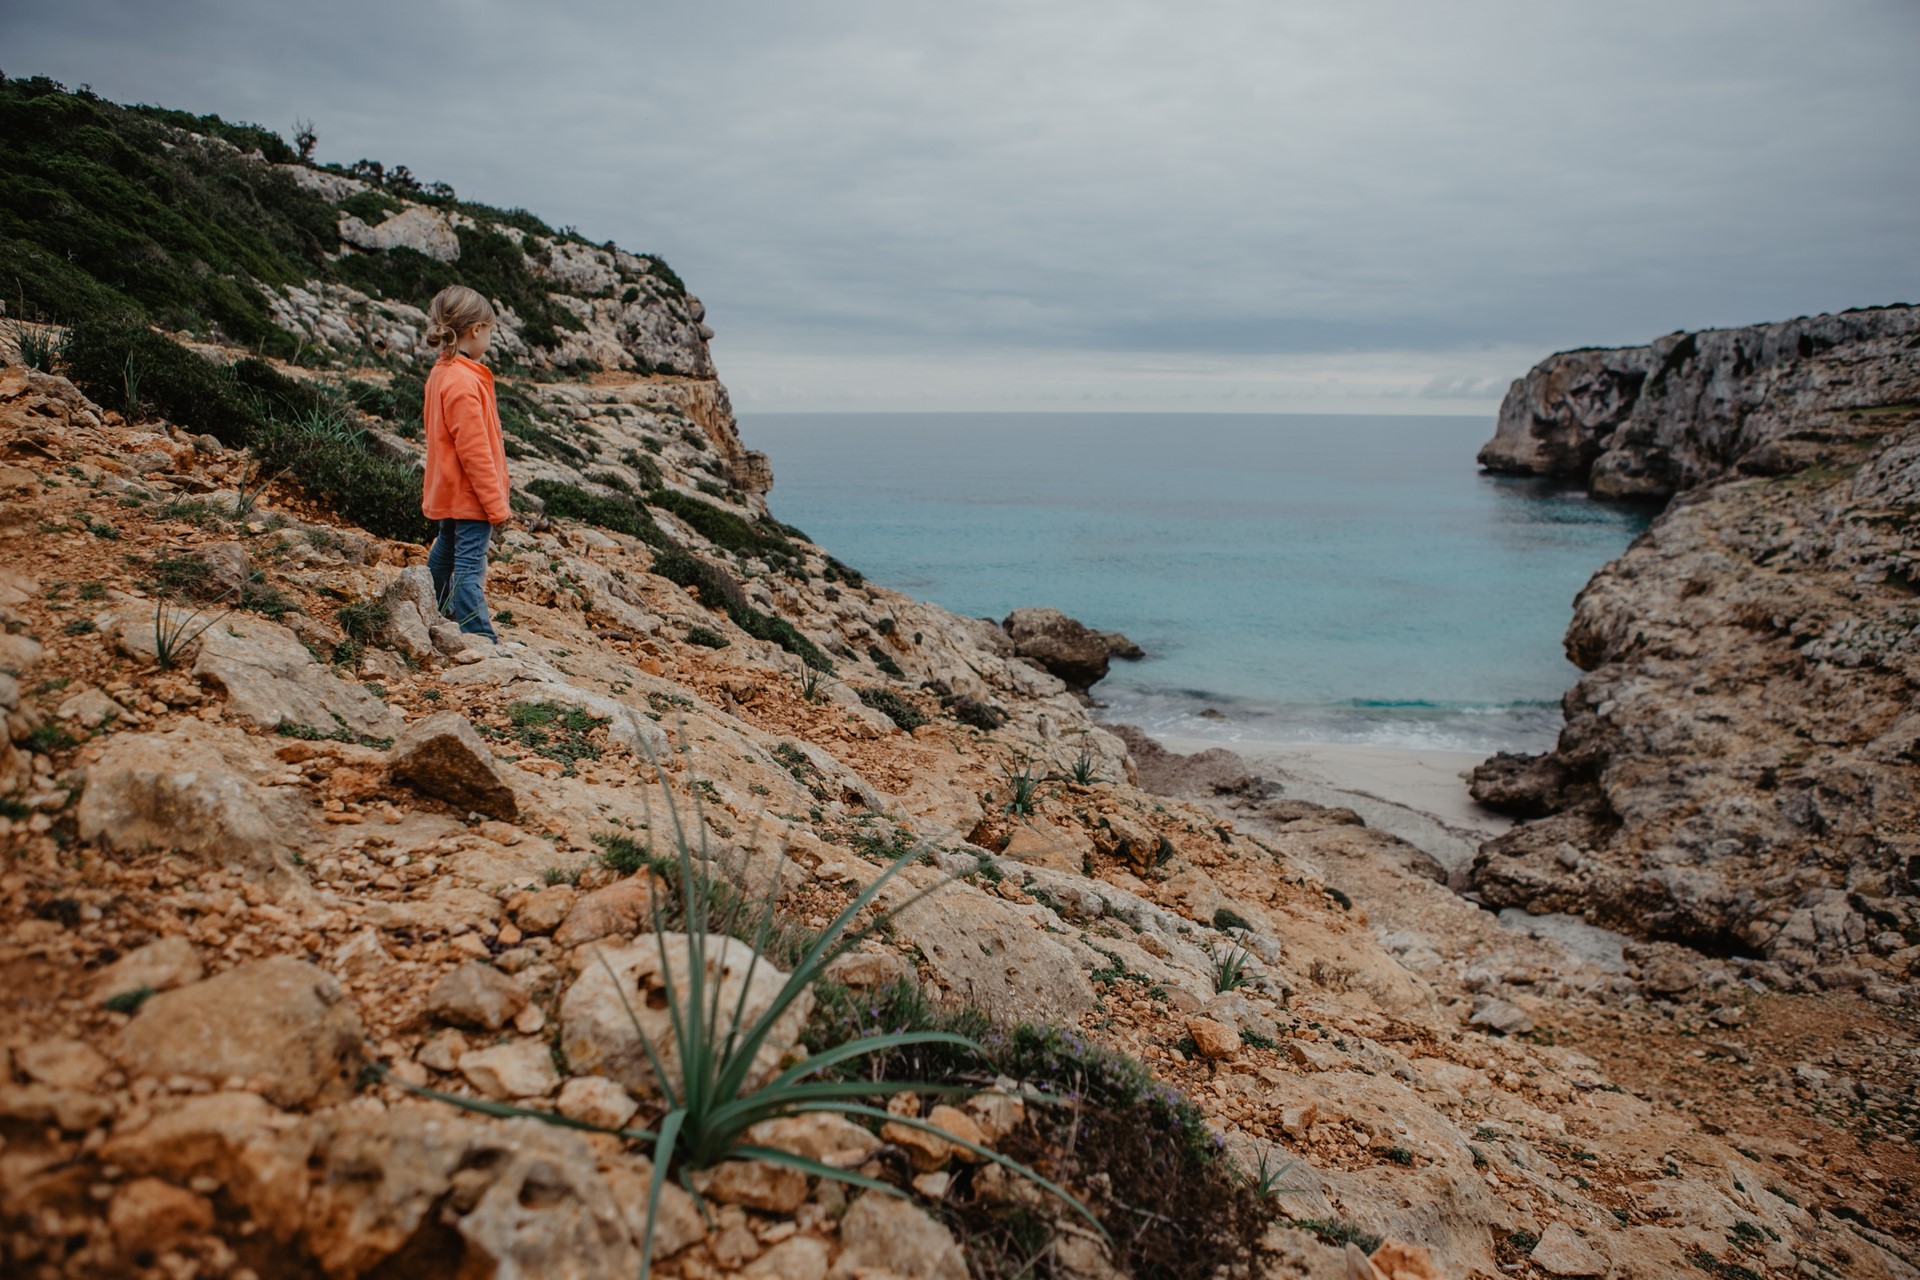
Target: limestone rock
(281, 1023)
(985, 954)
(361, 955)
(412, 613)
(528, 1200)
(520, 1069)
(1736, 767)
(443, 757)
(415, 227)
(91, 708)
(1561, 1252)
(884, 1231)
(1499, 1015)
(621, 908)
(816, 1135)
(476, 995)
(1692, 407)
(175, 791)
(598, 1101)
(1214, 1039)
(543, 910)
(597, 1031)
(149, 1216)
(271, 679)
(754, 1184)
(158, 966)
(1067, 648)
(62, 1063)
(801, 1258)
(678, 1223)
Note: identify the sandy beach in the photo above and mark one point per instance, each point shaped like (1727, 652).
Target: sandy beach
(1418, 795)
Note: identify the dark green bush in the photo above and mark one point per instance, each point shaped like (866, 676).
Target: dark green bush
(883, 660)
(108, 357)
(719, 591)
(331, 461)
(707, 637)
(570, 502)
(895, 707)
(723, 528)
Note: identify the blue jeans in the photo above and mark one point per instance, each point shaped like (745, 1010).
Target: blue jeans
(458, 563)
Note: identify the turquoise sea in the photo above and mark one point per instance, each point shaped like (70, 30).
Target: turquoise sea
(1311, 578)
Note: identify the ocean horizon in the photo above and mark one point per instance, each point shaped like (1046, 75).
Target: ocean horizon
(1300, 579)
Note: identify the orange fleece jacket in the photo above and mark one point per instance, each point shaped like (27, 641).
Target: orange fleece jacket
(466, 458)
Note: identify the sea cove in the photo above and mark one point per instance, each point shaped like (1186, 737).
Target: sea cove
(1309, 578)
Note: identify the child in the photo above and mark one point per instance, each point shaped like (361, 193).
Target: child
(466, 468)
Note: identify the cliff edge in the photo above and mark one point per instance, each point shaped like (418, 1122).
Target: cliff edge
(1691, 408)
(1740, 765)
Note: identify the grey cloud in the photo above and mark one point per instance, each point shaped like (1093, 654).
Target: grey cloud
(851, 182)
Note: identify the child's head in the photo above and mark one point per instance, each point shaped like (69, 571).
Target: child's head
(452, 317)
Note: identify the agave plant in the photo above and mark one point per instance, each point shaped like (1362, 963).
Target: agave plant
(1230, 969)
(710, 1100)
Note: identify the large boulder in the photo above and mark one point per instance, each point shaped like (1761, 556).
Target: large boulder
(621, 986)
(412, 613)
(282, 1026)
(518, 1200)
(888, 1233)
(271, 679)
(984, 953)
(443, 757)
(1067, 648)
(176, 791)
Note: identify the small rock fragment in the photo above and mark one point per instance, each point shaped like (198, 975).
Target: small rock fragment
(476, 995)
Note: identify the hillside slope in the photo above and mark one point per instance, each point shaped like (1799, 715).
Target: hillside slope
(271, 822)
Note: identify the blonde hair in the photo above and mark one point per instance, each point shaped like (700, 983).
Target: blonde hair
(453, 311)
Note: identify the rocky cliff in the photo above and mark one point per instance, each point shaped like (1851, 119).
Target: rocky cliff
(1690, 408)
(1740, 766)
(282, 847)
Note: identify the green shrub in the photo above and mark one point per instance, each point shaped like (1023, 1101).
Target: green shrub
(363, 620)
(187, 390)
(883, 660)
(719, 591)
(1227, 918)
(969, 710)
(570, 502)
(331, 461)
(895, 707)
(724, 528)
(707, 637)
(38, 350)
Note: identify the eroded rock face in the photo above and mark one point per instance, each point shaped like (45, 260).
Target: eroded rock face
(1065, 647)
(175, 790)
(271, 679)
(1647, 422)
(281, 1025)
(441, 756)
(621, 984)
(1740, 767)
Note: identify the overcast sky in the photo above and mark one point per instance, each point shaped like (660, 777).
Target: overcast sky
(1370, 205)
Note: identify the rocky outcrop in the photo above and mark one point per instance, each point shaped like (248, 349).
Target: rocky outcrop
(1740, 766)
(1066, 647)
(1688, 408)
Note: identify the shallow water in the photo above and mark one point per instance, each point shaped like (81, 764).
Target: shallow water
(1308, 578)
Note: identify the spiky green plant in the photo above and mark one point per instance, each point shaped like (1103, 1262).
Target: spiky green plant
(810, 687)
(254, 480)
(173, 634)
(1230, 969)
(710, 1105)
(1023, 789)
(1082, 770)
(38, 350)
